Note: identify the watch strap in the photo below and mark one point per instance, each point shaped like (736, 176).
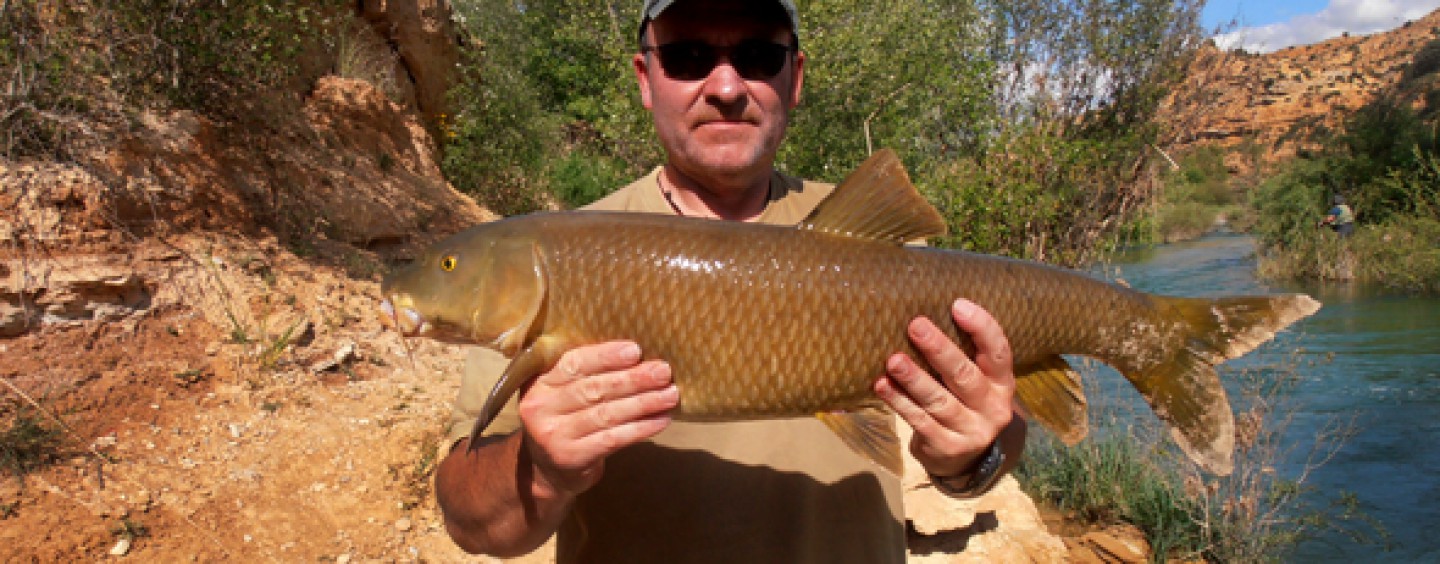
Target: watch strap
(973, 484)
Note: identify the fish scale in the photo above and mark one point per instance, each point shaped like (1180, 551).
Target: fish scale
(831, 309)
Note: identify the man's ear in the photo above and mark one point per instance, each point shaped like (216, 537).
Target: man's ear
(642, 77)
(799, 78)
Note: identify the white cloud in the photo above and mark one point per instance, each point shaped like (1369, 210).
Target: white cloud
(1358, 17)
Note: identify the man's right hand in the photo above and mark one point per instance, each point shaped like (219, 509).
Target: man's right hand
(512, 492)
(597, 400)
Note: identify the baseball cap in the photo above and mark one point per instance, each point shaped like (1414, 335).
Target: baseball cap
(653, 8)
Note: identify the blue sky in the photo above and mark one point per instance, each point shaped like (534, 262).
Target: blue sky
(1264, 26)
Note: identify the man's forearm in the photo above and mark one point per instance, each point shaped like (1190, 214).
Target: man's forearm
(491, 501)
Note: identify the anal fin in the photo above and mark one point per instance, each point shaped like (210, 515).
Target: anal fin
(1051, 394)
(870, 432)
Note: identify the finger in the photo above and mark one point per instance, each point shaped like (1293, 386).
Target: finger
(955, 369)
(922, 388)
(602, 418)
(609, 386)
(992, 349)
(591, 359)
(891, 391)
(597, 446)
(579, 438)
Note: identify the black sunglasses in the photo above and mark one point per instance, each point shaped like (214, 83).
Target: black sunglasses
(753, 59)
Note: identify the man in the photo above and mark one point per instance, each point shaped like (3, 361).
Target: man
(589, 450)
(1340, 218)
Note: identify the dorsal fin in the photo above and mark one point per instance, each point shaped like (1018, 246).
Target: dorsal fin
(877, 201)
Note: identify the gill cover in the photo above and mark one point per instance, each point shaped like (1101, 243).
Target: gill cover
(514, 285)
(511, 306)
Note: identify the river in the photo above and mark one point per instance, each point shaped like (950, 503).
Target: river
(1369, 357)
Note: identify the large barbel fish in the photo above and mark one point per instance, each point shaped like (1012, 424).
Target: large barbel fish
(763, 321)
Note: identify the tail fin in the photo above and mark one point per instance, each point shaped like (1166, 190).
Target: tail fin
(1184, 389)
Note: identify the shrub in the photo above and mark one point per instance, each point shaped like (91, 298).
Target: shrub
(1041, 196)
(29, 440)
(578, 178)
(1425, 62)
(1185, 220)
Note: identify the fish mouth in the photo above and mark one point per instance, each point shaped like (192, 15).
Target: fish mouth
(397, 314)
(403, 319)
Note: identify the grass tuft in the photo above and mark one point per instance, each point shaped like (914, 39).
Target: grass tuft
(30, 439)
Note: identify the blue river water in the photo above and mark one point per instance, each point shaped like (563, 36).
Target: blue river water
(1367, 358)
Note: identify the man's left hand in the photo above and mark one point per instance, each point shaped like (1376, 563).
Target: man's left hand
(958, 416)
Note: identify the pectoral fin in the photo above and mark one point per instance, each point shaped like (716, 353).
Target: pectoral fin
(870, 432)
(1051, 393)
(535, 360)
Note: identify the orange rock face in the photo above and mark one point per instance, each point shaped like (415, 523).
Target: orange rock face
(1273, 100)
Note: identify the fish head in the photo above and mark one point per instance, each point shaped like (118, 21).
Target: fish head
(481, 286)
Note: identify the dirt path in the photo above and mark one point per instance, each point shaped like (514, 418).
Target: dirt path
(223, 449)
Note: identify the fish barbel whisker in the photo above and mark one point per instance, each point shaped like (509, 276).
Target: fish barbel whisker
(391, 314)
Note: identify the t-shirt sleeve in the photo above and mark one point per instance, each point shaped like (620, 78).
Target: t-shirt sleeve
(483, 368)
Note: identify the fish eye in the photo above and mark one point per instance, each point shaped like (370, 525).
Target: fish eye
(448, 263)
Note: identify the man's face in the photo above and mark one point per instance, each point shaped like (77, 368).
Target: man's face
(721, 124)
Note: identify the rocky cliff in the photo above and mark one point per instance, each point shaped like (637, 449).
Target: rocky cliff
(1270, 102)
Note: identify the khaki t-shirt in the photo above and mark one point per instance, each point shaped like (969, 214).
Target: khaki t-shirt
(784, 491)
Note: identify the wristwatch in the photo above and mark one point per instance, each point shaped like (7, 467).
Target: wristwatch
(976, 482)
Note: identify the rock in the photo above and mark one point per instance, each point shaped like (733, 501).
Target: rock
(403, 524)
(342, 355)
(422, 33)
(1000, 526)
(69, 290)
(1237, 100)
(1119, 544)
(122, 547)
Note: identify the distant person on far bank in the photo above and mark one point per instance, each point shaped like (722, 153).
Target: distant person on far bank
(1340, 218)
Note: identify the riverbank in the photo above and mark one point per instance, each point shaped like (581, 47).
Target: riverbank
(1402, 254)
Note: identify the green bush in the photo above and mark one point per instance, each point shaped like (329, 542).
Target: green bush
(1186, 220)
(1039, 195)
(1194, 197)
(578, 179)
(234, 61)
(1202, 178)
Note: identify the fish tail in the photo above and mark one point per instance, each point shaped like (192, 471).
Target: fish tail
(1184, 389)
(1229, 327)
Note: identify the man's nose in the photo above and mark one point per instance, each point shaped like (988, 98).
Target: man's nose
(724, 85)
